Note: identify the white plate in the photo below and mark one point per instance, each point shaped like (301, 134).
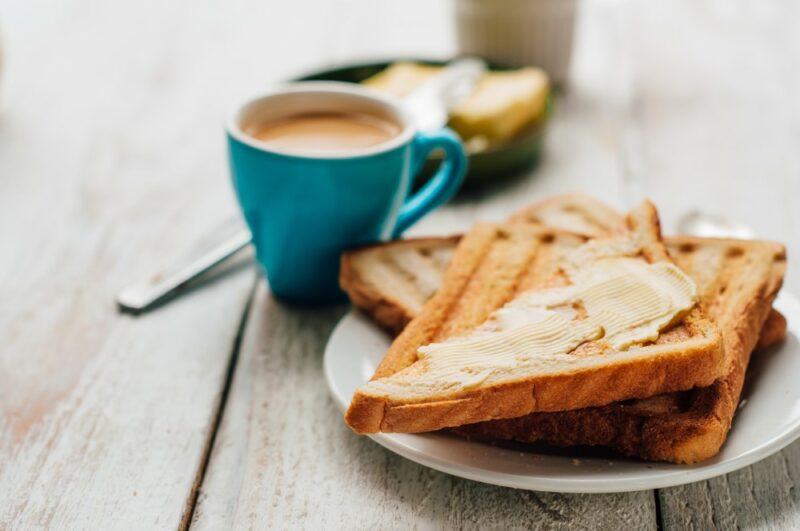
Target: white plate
(768, 420)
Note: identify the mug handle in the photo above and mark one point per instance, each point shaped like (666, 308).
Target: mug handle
(443, 185)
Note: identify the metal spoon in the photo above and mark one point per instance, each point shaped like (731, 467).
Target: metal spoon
(697, 223)
(144, 295)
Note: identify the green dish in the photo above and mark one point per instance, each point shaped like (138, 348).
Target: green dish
(485, 166)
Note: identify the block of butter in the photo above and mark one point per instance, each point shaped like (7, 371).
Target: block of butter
(400, 79)
(502, 104)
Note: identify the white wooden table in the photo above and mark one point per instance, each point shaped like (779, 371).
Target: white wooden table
(212, 411)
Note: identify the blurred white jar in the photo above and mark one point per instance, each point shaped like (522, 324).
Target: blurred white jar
(519, 32)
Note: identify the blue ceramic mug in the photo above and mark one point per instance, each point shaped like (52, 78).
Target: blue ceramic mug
(305, 209)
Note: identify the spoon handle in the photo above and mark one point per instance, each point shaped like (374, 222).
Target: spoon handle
(139, 297)
(698, 223)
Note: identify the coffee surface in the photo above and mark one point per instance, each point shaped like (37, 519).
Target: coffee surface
(325, 132)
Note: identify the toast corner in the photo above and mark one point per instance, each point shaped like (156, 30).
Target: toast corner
(365, 413)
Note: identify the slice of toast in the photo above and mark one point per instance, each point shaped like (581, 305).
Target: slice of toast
(412, 393)
(737, 281)
(391, 282)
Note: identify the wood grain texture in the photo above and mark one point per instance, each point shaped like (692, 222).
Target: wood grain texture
(283, 457)
(712, 111)
(111, 161)
(762, 496)
(104, 418)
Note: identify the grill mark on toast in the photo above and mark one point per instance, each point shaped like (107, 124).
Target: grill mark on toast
(418, 271)
(495, 281)
(542, 268)
(388, 272)
(362, 277)
(575, 213)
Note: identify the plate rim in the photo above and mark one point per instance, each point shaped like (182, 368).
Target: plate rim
(681, 475)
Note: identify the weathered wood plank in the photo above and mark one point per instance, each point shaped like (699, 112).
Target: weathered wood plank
(115, 115)
(713, 121)
(714, 126)
(284, 458)
(104, 418)
(760, 496)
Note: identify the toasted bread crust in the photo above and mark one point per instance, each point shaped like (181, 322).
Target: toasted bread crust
(637, 378)
(487, 271)
(379, 302)
(773, 331)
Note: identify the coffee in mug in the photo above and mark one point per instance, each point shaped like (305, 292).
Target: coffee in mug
(322, 167)
(325, 132)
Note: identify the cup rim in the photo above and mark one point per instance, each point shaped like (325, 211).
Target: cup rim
(323, 87)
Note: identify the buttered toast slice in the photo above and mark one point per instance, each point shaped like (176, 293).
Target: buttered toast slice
(617, 320)
(737, 281)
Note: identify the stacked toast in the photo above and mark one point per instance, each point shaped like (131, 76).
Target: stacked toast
(569, 325)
